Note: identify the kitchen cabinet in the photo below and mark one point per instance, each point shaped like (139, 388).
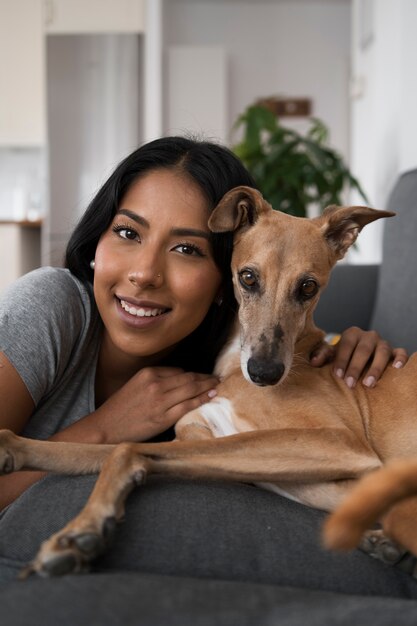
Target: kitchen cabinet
(22, 74)
(94, 16)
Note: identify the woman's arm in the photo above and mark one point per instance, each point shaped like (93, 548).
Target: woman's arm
(16, 406)
(149, 403)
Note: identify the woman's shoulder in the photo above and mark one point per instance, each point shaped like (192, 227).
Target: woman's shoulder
(45, 278)
(47, 317)
(47, 284)
(51, 294)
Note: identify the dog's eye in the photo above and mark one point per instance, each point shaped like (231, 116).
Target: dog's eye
(248, 279)
(308, 288)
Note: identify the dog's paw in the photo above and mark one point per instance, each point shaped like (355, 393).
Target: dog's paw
(379, 546)
(70, 551)
(7, 460)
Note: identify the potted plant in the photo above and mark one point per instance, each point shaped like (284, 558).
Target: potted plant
(292, 171)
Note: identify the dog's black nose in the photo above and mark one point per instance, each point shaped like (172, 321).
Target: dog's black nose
(265, 372)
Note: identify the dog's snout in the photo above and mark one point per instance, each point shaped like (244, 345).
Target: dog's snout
(265, 372)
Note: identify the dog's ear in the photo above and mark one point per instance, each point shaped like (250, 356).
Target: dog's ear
(342, 225)
(238, 208)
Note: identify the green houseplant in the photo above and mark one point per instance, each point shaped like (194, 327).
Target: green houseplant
(292, 171)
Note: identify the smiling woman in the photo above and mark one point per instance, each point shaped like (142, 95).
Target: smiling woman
(123, 341)
(155, 275)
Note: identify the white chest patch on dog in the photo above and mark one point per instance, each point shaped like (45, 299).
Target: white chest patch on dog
(219, 417)
(281, 492)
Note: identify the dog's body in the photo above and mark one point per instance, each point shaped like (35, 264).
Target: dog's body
(309, 436)
(370, 415)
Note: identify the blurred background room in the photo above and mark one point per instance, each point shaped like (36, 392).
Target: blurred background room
(84, 82)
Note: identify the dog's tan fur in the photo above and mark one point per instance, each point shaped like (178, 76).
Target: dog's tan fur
(309, 436)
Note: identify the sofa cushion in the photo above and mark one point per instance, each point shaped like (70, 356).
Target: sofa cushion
(205, 530)
(154, 600)
(395, 310)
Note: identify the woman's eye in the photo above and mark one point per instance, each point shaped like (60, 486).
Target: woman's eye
(126, 233)
(189, 250)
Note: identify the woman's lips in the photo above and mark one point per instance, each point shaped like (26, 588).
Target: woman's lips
(141, 313)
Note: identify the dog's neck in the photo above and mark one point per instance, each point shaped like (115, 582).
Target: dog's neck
(309, 339)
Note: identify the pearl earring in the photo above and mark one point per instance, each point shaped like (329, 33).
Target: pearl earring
(92, 264)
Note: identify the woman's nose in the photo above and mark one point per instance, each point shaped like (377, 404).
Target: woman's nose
(146, 272)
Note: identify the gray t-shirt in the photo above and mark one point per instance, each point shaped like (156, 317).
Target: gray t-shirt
(50, 332)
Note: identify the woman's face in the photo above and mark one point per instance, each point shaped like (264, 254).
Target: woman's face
(155, 277)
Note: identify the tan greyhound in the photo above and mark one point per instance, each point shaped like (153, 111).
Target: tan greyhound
(298, 430)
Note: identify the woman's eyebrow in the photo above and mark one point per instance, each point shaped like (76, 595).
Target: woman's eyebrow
(178, 232)
(190, 232)
(133, 216)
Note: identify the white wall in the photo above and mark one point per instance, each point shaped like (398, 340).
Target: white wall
(94, 108)
(408, 95)
(288, 47)
(384, 104)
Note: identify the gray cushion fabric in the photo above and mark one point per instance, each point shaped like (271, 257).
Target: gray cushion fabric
(236, 556)
(348, 299)
(132, 599)
(204, 530)
(382, 297)
(395, 311)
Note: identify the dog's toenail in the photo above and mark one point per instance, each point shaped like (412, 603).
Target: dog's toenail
(89, 543)
(64, 541)
(59, 565)
(109, 527)
(391, 553)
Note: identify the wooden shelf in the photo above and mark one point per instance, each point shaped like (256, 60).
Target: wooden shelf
(23, 223)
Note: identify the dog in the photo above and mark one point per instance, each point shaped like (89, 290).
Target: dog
(276, 420)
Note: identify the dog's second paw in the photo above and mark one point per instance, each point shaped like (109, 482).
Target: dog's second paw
(7, 460)
(381, 547)
(69, 551)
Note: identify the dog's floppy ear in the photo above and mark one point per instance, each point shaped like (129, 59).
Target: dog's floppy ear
(238, 208)
(342, 225)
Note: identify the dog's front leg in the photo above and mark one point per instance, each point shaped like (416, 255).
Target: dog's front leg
(86, 536)
(285, 455)
(17, 453)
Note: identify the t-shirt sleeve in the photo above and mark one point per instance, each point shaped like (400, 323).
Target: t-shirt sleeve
(41, 317)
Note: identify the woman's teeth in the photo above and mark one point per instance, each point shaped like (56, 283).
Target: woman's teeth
(140, 312)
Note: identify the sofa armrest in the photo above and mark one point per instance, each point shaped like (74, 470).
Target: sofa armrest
(348, 299)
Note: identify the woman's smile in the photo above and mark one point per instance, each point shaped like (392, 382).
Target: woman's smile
(141, 313)
(155, 277)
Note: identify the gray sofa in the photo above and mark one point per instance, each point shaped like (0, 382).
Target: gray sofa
(191, 553)
(382, 297)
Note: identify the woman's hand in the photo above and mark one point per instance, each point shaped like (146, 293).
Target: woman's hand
(152, 401)
(356, 350)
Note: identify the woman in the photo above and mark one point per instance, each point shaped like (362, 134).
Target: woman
(118, 346)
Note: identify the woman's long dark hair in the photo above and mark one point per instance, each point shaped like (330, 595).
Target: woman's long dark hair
(215, 170)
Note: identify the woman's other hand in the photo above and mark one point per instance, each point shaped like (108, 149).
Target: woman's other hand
(359, 351)
(152, 401)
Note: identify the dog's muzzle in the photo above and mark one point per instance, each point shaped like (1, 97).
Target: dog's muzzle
(265, 372)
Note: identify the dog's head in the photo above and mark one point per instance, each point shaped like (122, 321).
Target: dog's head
(280, 264)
